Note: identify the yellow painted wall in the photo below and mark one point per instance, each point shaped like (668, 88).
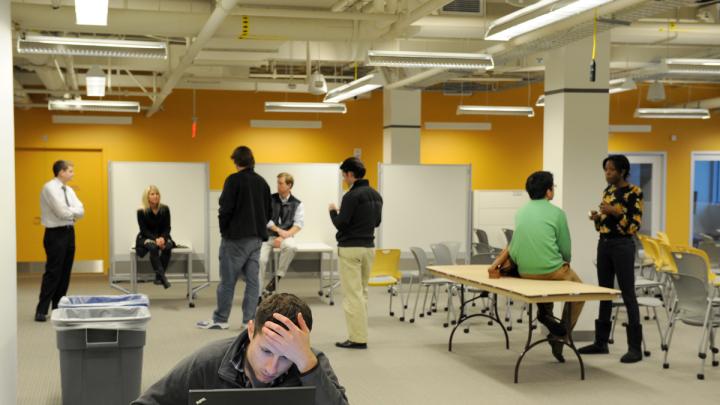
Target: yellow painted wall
(224, 123)
(501, 158)
(692, 136)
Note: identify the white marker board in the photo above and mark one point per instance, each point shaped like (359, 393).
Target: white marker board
(424, 205)
(494, 210)
(183, 188)
(316, 185)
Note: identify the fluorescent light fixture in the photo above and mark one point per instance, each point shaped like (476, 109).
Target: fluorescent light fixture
(94, 105)
(117, 48)
(363, 85)
(676, 113)
(630, 128)
(285, 124)
(622, 85)
(95, 82)
(540, 101)
(92, 119)
(692, 62)
(495, 110)
(458, 126)
(536, 16)
(91, 12)
(273, 106)
(447, 60)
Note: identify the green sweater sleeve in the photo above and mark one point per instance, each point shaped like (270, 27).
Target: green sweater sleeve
(563, 237)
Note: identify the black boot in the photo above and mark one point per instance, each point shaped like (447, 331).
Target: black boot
(163, 279)
(600, 345)
(634, 338)
(545, 317)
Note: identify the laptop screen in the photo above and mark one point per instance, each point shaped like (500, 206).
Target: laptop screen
(254, 396)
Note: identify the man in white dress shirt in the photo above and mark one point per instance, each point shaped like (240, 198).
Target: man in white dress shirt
(60, 209)
(288, 218)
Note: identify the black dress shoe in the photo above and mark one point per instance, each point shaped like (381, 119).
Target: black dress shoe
(351, 345)
(40, 317)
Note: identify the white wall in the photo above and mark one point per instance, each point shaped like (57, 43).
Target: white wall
(494, 210)
(8, 264)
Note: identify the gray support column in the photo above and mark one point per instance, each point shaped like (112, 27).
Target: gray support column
(575, 141)
(401, 126)
(8, 265)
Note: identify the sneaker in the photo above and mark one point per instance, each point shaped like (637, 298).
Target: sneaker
(210, 324)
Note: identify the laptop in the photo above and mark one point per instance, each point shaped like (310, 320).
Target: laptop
(254, 396)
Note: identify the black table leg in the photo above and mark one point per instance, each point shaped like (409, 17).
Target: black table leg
(528, 345)
(463, 317)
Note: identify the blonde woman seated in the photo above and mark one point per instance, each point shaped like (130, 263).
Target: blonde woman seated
(154, 236)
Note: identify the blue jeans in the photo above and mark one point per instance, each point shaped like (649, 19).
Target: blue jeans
(238, 258)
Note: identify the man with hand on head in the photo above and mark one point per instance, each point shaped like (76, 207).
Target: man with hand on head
(274, 351)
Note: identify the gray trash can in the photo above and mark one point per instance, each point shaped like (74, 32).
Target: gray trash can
(101, 353)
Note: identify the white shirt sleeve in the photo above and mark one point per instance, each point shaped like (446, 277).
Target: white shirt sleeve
(270, 224)
(55, 201)
(76, 206)
(299, 219)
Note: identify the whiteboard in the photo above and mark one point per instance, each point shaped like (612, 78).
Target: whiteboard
(494, 210)
(316, 185)
(424, 205)
(183, 187)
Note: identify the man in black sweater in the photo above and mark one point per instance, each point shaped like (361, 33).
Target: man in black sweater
(360, 214)
(243, 214)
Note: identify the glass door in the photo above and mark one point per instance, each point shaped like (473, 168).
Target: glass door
(705, 197)
(647, 170)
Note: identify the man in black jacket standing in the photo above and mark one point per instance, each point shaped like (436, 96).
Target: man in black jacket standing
(360, 214)
(243, 214)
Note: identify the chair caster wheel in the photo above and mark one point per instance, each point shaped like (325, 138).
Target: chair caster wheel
(453, 322)
(646, 353)
(422, 315)
(519, 321)
(509, 328)
(715, 363)
(402, 319)
(412, 320)
(647, 318)
(663, 347)
(702, 355)
(392, 313)
(701, 376)
(191, 305)
(332, 302)
(714, 350)
(611, 341)
(445, 325)
(666, 366)
(404, 306)
(320, 293)
(490, 323)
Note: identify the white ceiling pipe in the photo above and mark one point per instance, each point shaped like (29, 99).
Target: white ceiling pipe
(406, 20)
(70, 70)
(311, 14)
(710, 104)
(341, 5)
(216, 19)
(414, 79)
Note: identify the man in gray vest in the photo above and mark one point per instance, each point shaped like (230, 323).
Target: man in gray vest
(288, 218)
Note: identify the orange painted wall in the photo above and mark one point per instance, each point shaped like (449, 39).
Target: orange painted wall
(224, 123)
(692, 136)
(501, 158)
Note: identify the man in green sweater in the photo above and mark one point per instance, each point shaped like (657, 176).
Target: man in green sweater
(541, 249)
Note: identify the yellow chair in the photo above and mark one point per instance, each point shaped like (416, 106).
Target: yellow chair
(385, 272)
(663, 238)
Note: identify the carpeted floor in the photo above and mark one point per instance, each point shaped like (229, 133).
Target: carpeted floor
(405, 363)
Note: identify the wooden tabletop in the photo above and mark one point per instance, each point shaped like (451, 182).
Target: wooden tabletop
(525, 290)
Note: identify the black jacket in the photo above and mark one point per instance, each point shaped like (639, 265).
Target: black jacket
(360, 213)
(153, 226)
(211, 368)
(244, 206)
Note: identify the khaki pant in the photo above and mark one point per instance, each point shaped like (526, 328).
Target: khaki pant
(564, 273)
(355, 264)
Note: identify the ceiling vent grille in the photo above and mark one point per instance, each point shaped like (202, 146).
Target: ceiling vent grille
(463, 6)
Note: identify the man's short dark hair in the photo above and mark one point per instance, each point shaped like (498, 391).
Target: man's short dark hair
(538, 184)
(621, 163)
(243, 157)
(61, 165)
(355, 166)
(284, 304)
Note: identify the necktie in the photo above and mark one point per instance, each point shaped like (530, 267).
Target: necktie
(65, 193)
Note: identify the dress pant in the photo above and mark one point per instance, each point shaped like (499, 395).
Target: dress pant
(355, 264)
(59, 246)
(616, 260)
(288, 247)
(564, 273)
